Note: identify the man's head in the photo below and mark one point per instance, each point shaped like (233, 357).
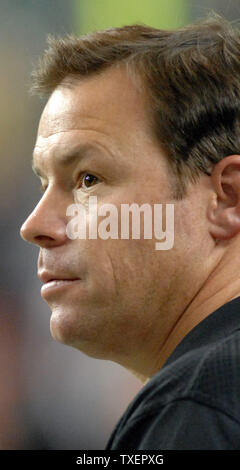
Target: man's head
(135, 115)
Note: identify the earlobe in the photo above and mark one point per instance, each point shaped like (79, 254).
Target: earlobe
(224, 207)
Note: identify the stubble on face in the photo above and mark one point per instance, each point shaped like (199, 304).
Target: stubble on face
(127, 292)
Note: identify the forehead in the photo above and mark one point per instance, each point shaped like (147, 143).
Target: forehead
(108, 102)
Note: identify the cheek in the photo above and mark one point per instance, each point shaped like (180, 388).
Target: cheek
(124, 287)
(115, 271)
(127, 268)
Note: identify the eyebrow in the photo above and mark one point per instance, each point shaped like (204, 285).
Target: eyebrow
(70, 157)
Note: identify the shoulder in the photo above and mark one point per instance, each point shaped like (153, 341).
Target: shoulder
(214, 374)
(188, 402)
(209, 374)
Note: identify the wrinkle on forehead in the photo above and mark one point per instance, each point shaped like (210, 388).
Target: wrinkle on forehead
(54, 132)
(60, 122)
(63, 142)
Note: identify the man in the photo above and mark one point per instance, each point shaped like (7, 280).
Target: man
(137, 115)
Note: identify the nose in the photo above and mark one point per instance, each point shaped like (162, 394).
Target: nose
(46, 225)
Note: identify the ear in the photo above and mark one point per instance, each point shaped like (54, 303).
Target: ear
(224, 208)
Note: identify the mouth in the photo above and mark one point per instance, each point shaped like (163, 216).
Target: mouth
(55, 286)
(55, 283)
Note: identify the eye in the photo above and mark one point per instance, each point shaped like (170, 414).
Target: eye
(88, 180)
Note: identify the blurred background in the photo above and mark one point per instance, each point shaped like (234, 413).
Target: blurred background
(51, 396)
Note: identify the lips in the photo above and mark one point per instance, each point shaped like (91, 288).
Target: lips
(46, 277)
(56, 284)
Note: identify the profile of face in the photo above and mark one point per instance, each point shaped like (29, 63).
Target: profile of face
(120, 297)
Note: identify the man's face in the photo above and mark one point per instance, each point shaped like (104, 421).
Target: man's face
(121, 295)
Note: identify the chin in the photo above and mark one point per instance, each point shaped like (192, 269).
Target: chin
(83, 336)
(62, 330)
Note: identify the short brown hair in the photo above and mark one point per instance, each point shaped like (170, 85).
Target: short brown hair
(191, 76)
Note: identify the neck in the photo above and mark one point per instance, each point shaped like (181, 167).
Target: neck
(221, 286)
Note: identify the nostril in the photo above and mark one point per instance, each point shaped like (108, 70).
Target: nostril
(44, 241)
(40, 238)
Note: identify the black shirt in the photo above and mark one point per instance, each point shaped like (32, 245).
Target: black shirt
(193, 402)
